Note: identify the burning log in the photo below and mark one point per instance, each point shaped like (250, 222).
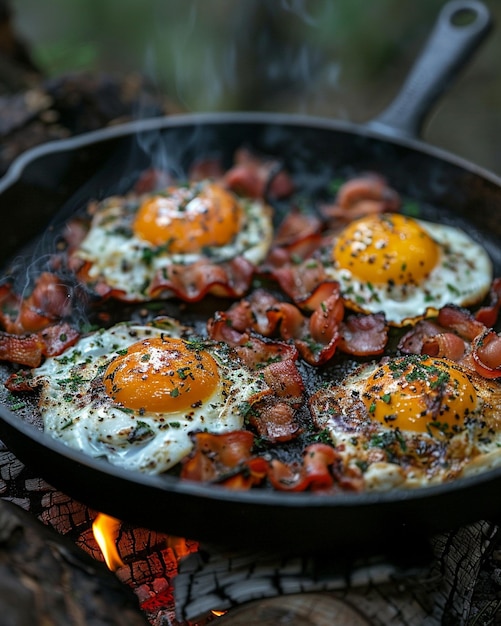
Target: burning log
(45, 578)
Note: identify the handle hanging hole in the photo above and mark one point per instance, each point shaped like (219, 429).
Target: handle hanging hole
(463, 17)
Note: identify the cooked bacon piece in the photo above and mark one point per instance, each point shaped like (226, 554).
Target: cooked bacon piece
(460, 320)
(363, 335)
(446, 345)
(256, 177)
(412, 341)
(193, 282)
(361, 196)
(317, 336)
(299, 280)
(20, 381)
(296, 227)
(274, 417)
(74, 233)
(225, 458)
(49, 302)
(256, 352)
(206, 168)
(58, 338)
(252, 313)
(314, 472)
(152, 180)
(284, 378)
(488, 314)
(486, 354)
(274, 420)
(25, 350)
(29, 349)
(429, 337)
(458, 336)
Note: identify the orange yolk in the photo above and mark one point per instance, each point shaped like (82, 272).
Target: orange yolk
(162, 375)
(188, 219)
(420, 393)
(386, 248)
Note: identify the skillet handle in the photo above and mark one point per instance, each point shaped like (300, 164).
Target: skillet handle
(460, 28)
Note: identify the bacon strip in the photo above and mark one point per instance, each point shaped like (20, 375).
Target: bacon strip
(314, 472)
(299, 280)
(361, 196)
(363, 335)
(29, 349)
(316, 335)
(258, 177)
(274, 420)
(446, 345)
(486, 354)
(459, 320)
(193, 282)
(226, 459)
(488, 314)
(49, 302)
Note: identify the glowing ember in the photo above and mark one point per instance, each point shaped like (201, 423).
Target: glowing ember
(105, 529)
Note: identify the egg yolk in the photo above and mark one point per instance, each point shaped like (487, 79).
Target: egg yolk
(188, 219)
(420, 393)
(387, 248)
(162, 375)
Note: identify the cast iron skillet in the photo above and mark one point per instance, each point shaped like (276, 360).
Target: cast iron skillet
(60, 177)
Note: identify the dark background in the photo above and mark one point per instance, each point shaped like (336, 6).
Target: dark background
(339, 58)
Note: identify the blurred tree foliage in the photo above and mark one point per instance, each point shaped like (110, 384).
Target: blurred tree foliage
(341, 58)
(224, 54)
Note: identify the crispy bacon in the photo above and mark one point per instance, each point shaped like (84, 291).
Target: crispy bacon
(316, 336)
(225, 458)
(153, 179)
(25, 350)
(299, 280)
(457, 335)
(258, 177)
(361, 196)
(274, 420)
(313, 473)
(274, 417)
(48, 303)
(459, 320)
(412, 341)
(446, 345)
(486, 354)
(193, 282)
(488, 314)
(316, 332)
(206, 168)
(30, 348)
(297, 227)
(363, 335)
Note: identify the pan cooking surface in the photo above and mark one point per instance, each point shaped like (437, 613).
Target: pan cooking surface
(315, 157)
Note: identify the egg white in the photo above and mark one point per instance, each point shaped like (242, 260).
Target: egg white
(127, 263)
(462, 276)
(77, 411)
(392, 458)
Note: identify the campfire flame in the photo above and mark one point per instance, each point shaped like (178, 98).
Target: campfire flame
(105, 529)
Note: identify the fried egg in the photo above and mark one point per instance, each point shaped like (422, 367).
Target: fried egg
(134, 393)
(407, 268)
(133, 239)
(412, 421)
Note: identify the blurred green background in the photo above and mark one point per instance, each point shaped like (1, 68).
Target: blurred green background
(339, 58)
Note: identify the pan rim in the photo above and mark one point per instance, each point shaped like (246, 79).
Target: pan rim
(18, 165)
(174, 485)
